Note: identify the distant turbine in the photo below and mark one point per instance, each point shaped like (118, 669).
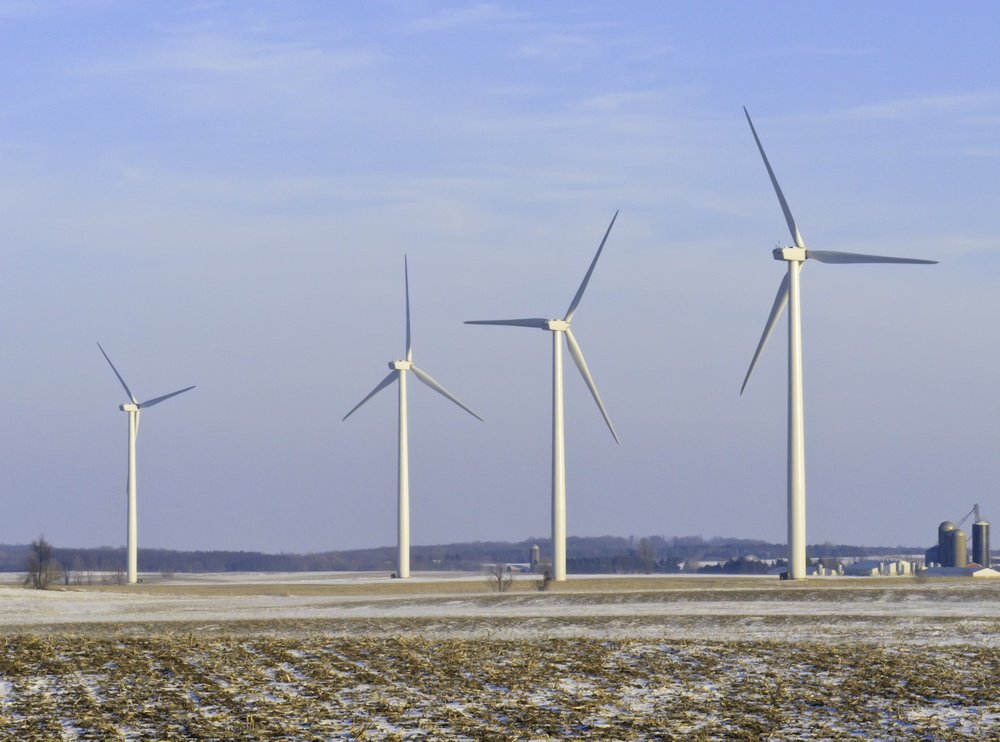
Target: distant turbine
(788, 292)
(398, 371)
(561, 327)
(133, 408)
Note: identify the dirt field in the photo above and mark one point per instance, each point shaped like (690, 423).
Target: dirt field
(446, 659)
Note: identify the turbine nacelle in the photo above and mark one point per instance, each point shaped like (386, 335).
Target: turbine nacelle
(400, 365)
(128, 407)
(556, 325)
(797, 254)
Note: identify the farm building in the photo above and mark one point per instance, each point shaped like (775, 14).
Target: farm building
(879, 568)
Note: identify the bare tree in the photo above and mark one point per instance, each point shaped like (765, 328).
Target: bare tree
(41, 567)
(543, 584)
(499, 577)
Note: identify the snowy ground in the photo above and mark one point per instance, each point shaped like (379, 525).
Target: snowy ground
(338, 656)
(462, 606)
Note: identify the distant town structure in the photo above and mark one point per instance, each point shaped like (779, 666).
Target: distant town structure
(952, 550)
(949, 557)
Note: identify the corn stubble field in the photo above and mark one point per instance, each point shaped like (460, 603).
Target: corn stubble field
(590, 660)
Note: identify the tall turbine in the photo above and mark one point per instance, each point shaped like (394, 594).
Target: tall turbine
(133, 407)
(398, 370)
(560, 327)
(788, 293)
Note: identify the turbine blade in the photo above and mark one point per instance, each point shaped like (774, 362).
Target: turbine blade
(777, 189)
(406, 276)
(381, 385)
(779, 304)
(835, 256)
(538, 322)
(138, 414)
(425, 377)
(157, 400)
(586, 279)
(574, 350)
(127, 390)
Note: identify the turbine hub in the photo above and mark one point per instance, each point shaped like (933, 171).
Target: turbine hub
(791, 254)
(557, 325)
(400, 365)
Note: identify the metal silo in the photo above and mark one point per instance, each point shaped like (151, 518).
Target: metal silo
(959, 554)
(981, 542)
(946, 538)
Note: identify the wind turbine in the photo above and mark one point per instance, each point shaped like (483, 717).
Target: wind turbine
(560, 327)
(398, 371)
(133, 407)
(788, 293)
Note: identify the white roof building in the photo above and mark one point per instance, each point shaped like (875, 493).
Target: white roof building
(981, 572)
(879, 568)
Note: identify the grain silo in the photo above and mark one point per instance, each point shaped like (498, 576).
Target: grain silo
(945, 549)
(981, 542)
(959, 551)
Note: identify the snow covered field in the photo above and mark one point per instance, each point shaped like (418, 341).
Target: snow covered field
(462, 606)
(337, 656)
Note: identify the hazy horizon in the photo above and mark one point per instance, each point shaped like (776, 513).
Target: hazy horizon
(544, 542)
(222, 195)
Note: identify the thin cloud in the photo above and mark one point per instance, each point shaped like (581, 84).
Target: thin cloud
(560, 46)
(586, 41)
(229, 56)
(196, 74)
(476, 15)
(799, 51)
(919, 107)
(618, 101)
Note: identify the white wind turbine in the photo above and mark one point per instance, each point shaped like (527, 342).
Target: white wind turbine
(788, 293)
(133, 407)
(560, 327)
(398, 370)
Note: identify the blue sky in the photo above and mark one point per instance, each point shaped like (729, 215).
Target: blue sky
(222, 194)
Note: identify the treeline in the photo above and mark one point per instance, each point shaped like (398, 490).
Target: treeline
(585, 555)
(634, 564)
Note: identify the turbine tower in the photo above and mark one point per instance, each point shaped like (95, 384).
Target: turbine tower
(788, 293)
(133, 407)
(561, 328)
(398, 371)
